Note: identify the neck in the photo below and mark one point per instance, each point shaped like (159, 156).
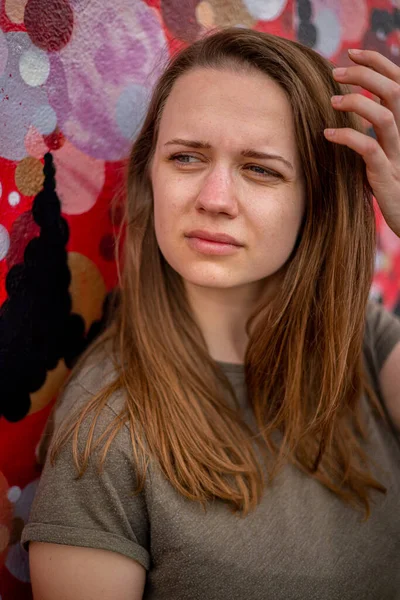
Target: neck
(222, 315)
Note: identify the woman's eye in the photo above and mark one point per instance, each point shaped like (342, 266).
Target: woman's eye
(263, 172)
(183, 159)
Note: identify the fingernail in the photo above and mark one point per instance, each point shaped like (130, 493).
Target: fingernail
(354, 51)
(329, 132)
(337, 99)
(340, 71)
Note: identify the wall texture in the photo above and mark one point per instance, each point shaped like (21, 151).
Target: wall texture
(75, 77)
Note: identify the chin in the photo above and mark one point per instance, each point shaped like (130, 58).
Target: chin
(220, 278)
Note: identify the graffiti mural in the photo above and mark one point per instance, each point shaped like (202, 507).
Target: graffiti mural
(75, 79)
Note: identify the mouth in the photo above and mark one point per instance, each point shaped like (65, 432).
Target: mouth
(216, 244)
(219, 238)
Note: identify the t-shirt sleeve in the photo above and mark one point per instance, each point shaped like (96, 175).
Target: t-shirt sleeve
(98, 510)
(382, 333)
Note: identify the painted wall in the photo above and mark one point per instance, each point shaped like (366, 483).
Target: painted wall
(75, 77)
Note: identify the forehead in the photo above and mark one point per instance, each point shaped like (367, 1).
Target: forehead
(230, 107)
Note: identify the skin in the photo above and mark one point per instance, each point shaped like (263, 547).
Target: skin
(259, 201)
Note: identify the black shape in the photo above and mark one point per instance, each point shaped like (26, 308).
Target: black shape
(396, 310)
(396, 18)
(15, 280)
(37, 328)
(382, 20)
(307, 34)
(304, 10)
(19, 408)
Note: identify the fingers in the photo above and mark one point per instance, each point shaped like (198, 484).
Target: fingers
(377, 62)
(386, 89)
(380, 117)
(369, 148)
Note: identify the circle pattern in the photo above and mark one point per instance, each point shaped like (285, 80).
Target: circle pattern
(15, 9)
(329, 33)
(49, 23)
(45, 119)
(14, 493)
(4, 242)
(14, 199)
(265, 10)
(34, 67)
(131, 109)
(80, 179)
(29, 176)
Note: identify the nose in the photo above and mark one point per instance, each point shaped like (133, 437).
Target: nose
(217, 193)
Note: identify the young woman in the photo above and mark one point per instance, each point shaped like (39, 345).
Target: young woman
(234, 432)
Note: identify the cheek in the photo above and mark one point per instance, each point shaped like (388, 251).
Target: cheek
(278, 225)
(167, 209)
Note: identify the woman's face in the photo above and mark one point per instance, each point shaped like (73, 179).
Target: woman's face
(226, 163)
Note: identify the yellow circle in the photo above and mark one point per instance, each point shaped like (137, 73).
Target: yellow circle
(29, 176)
(87, 288)
(50, 388)
(230, 14)
(205, 15)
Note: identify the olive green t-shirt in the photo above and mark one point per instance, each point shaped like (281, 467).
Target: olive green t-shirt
(302, 542)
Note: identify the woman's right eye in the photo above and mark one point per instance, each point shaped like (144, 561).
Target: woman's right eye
(183, 159)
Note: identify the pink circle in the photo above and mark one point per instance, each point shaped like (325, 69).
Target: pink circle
(34, 143)
(354, 20)
(79, 179)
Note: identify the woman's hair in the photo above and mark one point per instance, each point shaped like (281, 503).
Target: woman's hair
(303, 365)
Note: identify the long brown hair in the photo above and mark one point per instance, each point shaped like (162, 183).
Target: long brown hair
(303, 365)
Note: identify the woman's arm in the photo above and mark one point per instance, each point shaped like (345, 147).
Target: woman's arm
(390, 384)
(61, 572)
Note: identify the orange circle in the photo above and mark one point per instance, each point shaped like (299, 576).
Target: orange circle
(52, 385)
(15, 9)
(29, 176)
(205, 14)
(87, 288)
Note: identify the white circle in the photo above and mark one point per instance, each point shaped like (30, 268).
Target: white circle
(4, 242)
(381, 35)
(14, 198)
(265, 10)
(45, 119)
(14, 494)
(329, 32)
(34, 67)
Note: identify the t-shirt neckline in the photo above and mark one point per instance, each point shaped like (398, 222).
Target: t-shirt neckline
(228, 367)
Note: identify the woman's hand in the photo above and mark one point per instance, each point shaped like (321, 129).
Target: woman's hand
(381, 77)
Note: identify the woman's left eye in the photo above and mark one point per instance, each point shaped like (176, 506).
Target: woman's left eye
(263, 172)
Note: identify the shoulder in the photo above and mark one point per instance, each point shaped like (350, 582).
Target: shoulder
(85, 383)
(382, 353)
(91, 377)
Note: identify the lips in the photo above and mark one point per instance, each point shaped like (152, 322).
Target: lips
(222, 238)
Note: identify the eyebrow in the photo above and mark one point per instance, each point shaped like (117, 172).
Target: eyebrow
(247, 153)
